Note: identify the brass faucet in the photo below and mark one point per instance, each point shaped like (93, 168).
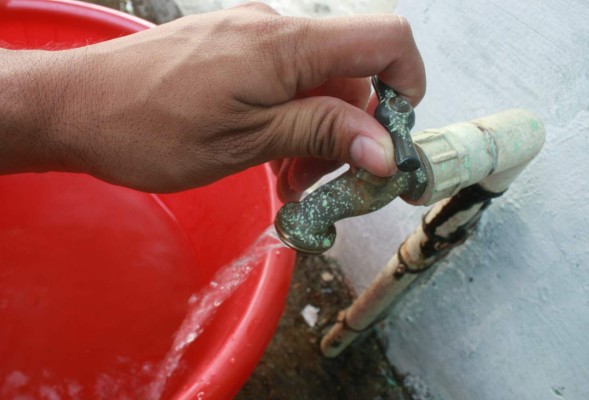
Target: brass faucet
(308, 226)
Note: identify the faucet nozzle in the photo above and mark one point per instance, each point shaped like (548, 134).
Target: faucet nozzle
(303, 240)
(308, 226)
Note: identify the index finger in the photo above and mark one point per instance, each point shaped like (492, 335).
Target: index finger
(359, 46)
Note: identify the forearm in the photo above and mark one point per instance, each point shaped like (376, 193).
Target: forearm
(189, 102)
(29, 94)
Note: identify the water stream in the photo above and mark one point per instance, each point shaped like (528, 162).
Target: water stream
(205, 303)
(128, 378)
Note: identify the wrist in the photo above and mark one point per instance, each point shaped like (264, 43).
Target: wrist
(29, 110)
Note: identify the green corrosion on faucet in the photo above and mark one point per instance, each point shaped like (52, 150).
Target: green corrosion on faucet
(308, 226)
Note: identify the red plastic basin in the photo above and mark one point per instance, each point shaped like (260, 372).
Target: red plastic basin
(95, 279)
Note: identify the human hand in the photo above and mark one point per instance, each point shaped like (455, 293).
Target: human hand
(194, 100)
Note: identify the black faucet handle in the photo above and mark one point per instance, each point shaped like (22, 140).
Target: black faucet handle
(397, 116)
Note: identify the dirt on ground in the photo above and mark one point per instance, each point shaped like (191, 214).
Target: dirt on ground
(292, 366)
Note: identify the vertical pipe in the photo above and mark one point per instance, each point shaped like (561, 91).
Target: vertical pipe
(445, 226)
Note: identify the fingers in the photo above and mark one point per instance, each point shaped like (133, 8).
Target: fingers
(295, 175)
(354, 91)
(329, 128)
(358, 46)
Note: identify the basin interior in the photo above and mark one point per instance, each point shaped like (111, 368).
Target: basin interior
(95, 278)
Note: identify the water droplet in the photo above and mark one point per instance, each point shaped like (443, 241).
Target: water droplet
(15, 380)
(192, 299)
(49, 393)
(147, 367)
(189, 338)
(217, 302)
(214, 284)
(200, 396)
(74, 388)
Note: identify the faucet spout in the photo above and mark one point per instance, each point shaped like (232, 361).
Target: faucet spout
(308, 226)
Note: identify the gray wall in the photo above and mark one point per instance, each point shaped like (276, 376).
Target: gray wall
(507, 315)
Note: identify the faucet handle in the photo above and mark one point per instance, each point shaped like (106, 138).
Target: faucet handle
(397, 116)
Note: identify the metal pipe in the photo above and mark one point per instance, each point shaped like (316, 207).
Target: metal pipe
(308, 226)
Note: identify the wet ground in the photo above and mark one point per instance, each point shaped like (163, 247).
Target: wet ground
(292, 367)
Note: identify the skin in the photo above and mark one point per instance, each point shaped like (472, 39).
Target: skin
(194, 100)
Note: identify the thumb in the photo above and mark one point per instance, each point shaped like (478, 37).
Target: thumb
(329, 128)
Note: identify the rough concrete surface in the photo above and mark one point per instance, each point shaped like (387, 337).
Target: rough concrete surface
(507, 315)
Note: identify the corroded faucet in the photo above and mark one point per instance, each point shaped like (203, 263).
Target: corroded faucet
(308, 226)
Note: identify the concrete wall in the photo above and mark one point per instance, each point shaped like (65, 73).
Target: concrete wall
(507, 315)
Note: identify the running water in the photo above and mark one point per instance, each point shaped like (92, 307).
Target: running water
(204, 304)
(128, 378)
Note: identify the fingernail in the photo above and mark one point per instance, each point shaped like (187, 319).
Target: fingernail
(373, 156)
